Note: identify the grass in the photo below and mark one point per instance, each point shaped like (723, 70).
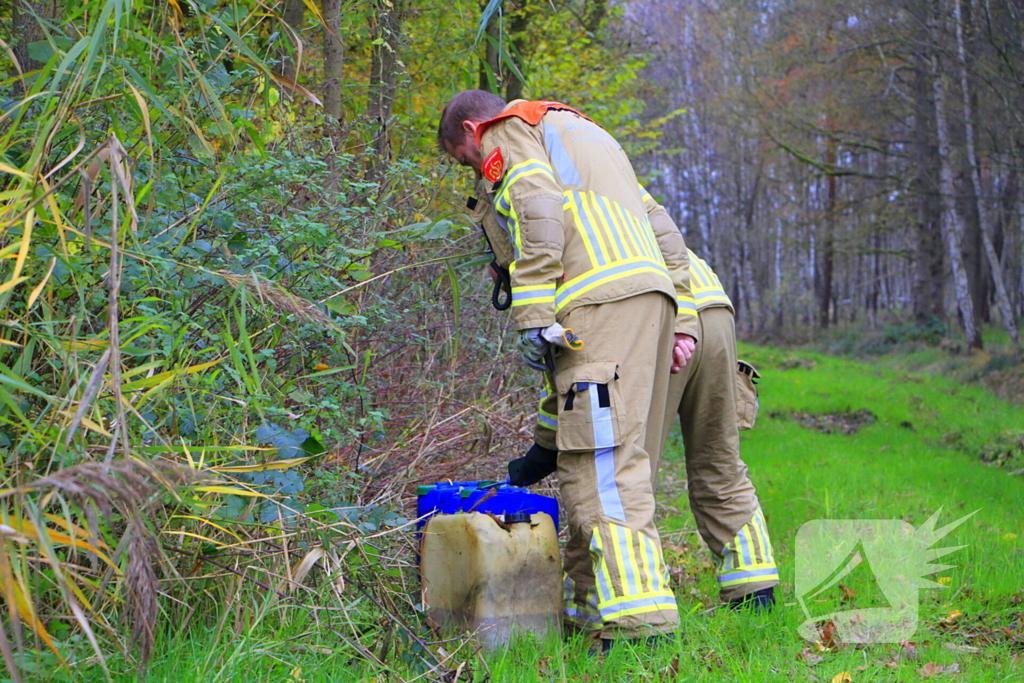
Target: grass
(919, 456)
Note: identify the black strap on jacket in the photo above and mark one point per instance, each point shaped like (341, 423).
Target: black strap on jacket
(502, 278)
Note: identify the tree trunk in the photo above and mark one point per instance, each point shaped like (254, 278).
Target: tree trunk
(293, 16)
(384, 70)
(952, 228)
(1002, 298)
(929, 274)
(26, 28)
(334, 58)
(490, 67)
(828, 240)
(517, 31)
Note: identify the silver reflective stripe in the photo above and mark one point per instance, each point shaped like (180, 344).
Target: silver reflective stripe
(566, 169)
(604, 454)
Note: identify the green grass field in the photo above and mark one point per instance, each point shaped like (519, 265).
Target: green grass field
(921, 455)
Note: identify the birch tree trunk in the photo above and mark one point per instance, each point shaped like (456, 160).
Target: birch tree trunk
(1002, 297)
(952, 227)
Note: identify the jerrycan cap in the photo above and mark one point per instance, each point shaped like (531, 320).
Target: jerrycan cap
(517, 517)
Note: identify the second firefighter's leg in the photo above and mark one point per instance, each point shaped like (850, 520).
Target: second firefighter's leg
(722, 498)
(613, 555)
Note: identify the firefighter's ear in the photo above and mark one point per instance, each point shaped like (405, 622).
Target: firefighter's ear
(470, 127)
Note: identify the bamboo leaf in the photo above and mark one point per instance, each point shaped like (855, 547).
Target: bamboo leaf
(168, 375)
(228, 490)
(38, 289)
(275, 465)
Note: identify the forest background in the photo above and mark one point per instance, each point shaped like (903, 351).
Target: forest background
(244, 309)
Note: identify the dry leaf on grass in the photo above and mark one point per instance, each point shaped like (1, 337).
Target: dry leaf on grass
(808, 657)
(843, 677)
(828, 640)
(953, 616)
(931, 670)
(907, 650)
(967, 649)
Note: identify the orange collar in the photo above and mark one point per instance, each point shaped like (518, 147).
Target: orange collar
(531, 112)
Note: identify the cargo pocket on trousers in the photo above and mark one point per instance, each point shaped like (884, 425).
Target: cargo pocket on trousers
(590, 408)
(746, 395)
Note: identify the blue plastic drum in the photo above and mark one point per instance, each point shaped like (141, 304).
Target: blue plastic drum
(451, 497)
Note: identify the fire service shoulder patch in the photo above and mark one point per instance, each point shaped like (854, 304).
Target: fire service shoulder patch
(494, 165)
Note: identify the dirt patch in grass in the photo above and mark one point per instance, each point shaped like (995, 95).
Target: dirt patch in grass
(846, 422)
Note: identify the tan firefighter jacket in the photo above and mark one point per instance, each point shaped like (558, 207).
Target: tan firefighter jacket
(570, 220)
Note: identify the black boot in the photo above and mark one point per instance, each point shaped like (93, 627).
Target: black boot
(759, 601)
(648, 642)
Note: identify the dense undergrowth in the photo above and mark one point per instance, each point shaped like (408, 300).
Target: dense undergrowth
(232, 341)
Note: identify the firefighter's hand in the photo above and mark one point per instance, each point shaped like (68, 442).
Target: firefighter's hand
(538, 463)
(682, 351)
(533, 347)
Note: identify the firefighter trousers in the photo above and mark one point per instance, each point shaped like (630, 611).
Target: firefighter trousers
(722, 498)
(611, 397)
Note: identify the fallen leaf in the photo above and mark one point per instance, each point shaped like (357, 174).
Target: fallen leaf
(808, 657)
(848, 593)
(908, 650)
(968, 649)
(953, 668)
(930, 670)
(944, 580)
(843, 677)
(953, 616)
(828, 635)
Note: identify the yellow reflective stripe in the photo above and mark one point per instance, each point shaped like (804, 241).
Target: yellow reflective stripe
(602, 228)
(582, 231)
(648, 230)
(615, 216)
(601, 576)
(541, 294)
(604, 235)
(534, 300)
(638, 575)
(762, 530)
(525, 169)
(643, 245)
(656, 269)
(637, 596)
(606, 207)
(513, 228)
(686, 304)
(623, 580)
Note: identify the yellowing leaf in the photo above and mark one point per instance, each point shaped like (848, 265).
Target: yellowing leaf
(275, 465)
(56, 537)
(228, 490)
(843, 677)
(73, 528)
(38, 289)
(89, 424)
(161, 377)
(206, 521)
(177, 532)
